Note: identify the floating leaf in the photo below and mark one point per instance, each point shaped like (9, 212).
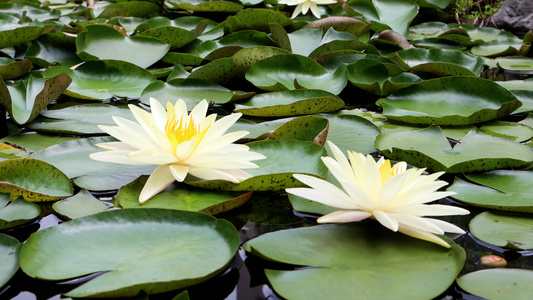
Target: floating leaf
(256, 19)
(508, 231)
(347, 24)
(9, 258)
(10, 69)
(499, 47)
(382, 256)
(16, 213)
(306, 128)
(182, 197)
(500, 189)
(174, 36)
(450, 101)
(499, 284)
(512, 63)
(160, 250)
(80, 205)
(20, 35)
(129, 9)
(33, 179)
(509, 130)
(53, 48)
(352, 133)
(207, 6)
(442, 62)
(33, 141)
(468, 155)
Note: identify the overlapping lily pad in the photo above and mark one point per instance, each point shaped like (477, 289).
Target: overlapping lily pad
(160, 250)
(499, 284)
(382, 255)
(509, 231)
(468, 155)
(508, 190)
(9, 257)
(10, 69)
(17, 212)
(442, 62)
(80, 205)
(450, 101)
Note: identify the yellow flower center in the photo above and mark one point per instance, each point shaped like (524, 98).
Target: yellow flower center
(178, 131)
(387, 171)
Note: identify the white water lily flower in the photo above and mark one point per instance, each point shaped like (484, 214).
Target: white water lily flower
(180, 144)
(303, 6)
(393, 195)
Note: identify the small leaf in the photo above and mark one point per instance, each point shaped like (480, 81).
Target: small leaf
(80, 205)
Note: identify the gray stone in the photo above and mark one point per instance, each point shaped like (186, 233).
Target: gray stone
(515, 15)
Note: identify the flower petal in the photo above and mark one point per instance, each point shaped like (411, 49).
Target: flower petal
(343, 216)
(423, 235)
(179, 172)
(386, 220)
(118, 157)
(323, 192)
(158, 181)
(416, 222)
(431, 210)
(213, 174)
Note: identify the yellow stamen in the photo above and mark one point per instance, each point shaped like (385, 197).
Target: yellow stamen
(178, 131)
(386, 171)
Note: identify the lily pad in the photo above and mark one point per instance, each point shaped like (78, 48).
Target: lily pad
(450, 101)
(512, 63)
(255, 19)
(352, 133)
(80, 205)
(382, 256)
(508, 190)
(181, 197)
(499, 47)
(33, 141)
(33, 179)
(290, 103)
(509, 130)
(129, 9)
(16, 36)
(442, 62)
(468, 155)
(73, 159)
(508, 231)
(16, 213)
(9, 259)
(283, 159)
(53, 48)
(305, 128)
(10, 69)
(499, 284)
(207, 6)
(104, 79)
(160, 250)
(105, 42)
(289, 72)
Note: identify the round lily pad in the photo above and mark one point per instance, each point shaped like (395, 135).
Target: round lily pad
(508, 231)
(343, 260)
(499, 284)
(442, 62)
(158, 250)
(17, 212)
(80, 205)
(9, 257)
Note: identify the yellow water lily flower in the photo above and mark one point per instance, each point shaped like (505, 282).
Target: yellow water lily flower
(303, 6)
(393, 195)
(180, 143)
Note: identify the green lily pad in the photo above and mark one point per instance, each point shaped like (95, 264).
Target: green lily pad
(174, 36)
(105, 42)
(512, 63)
(25, 100)
(499, 47)
(10, 69)
(16, 36)
(340, 23)
(509, 130)
(306, 128)
(33, 179)
(468, 155)
(72, 158)
(79, 119)
(508, 190)
(207, 6)
(290, 103)
(160, 250)
(450, 101)
(442, 62)
(382, 256)
(430, 43)
(526, 85)
(182, 197)
(33, 141)
(103, 79)
(192, 91)
(526, 97)
(9, 259)
(393, 14)
(283, 159)
(352, 133)
(499, 284)
(16, 213)
(53, 48)
(289, 72)
(508, 231)
(255, 19)
(80, 205)
(129, 9)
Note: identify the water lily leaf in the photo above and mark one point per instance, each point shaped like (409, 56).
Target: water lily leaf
(468, 155)
(399, 260)
(182, 197)
(174, 36)
(31, 11)
(191, 23)
(103, 79)
(105, 42)
(207, 6)
(526, 85)
(450, 101)
(185, 59)
(33, 141)
(508, 190)
(499, 284)
(430, 43)
(9, 261)
(441, 4)
(80, 205)
(305, 128)
(352, 133)
(526, 97)
(27, 99)
(245, 58)
(52, 48)
(289, 72)
(129, 9)
(160, 250)
(10, 69)
(17, 36)
(255, 19)
(72, 158)
(393, 14)
(379, 78)
(442, 62)
(508, 231)
(509, 130)
(33, 179)
(512, 63)
(283, 159)
(499, 47)
(427, 29)
(339, 23)
(290, 103)
(192, 91)
(79, 119)
(485, 34)
(221, 71)
(16, 213)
